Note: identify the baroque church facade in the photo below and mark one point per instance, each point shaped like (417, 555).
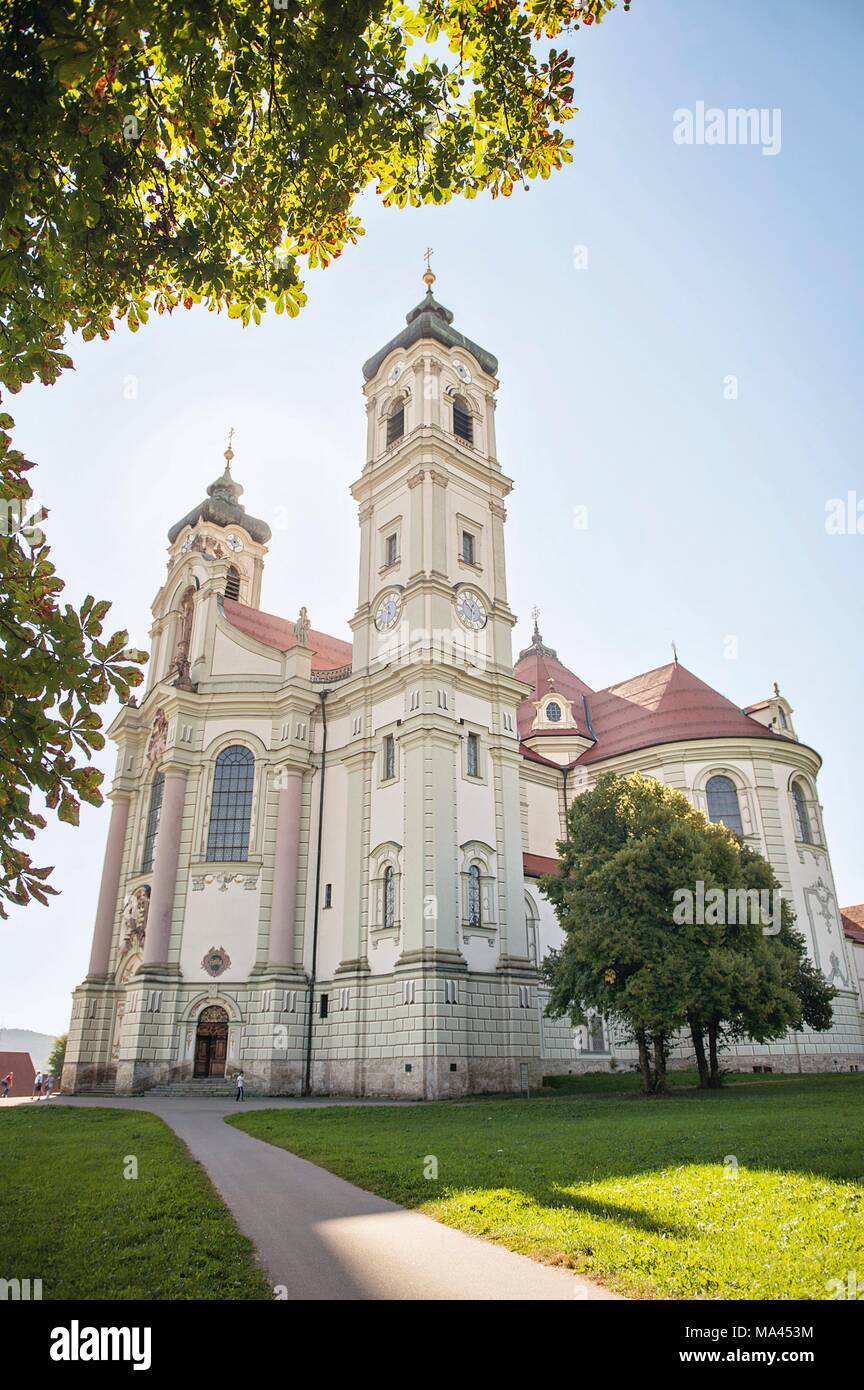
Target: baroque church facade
(323, 855)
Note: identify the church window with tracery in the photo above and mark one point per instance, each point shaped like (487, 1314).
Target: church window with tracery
(153, 817)
(723, 805)
(231, 812)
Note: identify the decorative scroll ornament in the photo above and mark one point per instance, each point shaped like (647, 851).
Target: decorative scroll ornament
(216, 962)
(158, 739)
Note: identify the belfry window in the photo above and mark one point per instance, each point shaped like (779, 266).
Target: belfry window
(231, 812)
(803, 824)
(396, 423)
(723, 806)
(232, 583)
(474, 914)
(463, 423)
(153, 817)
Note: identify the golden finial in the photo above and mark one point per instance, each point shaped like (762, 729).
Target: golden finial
(428, 274)
(229, 452)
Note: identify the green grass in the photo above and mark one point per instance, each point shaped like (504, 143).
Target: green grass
(633, 1192)
(70, 1218)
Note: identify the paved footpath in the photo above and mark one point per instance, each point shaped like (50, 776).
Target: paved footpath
(320, 1237)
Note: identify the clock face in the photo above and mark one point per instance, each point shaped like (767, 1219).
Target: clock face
(395, 373)
(462, 371)
(234, 543)
(471, 610)
(388, 611)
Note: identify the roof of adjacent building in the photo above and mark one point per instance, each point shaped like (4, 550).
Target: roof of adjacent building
(328, 653)
(429, 319)
(535, 865)
(666, 705)
(23, 1071)
(853, 922)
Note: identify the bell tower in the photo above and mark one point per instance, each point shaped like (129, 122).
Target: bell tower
(215, 549)
(431, 502)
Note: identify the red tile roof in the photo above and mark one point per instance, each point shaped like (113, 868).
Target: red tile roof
(533, 865)
(327, 652)
(853, 922)
(537, 669)
(665, 705)
(23, 1072)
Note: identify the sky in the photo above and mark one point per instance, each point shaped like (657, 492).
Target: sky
(678, 332)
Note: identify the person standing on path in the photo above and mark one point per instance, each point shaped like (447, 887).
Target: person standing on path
(37, 1086)
(240, 1082)
(49, 1086)
(6, 1085)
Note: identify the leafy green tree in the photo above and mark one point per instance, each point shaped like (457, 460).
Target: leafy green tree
(166, 153)
(635, 849)
(58, 1056)
(55, 670)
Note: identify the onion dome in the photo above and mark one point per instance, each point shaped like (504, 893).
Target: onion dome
(222, 507)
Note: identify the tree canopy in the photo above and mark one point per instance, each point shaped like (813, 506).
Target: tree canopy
(637, 852)
(167, 153)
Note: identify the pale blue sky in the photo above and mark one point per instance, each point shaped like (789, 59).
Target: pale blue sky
(706, 516)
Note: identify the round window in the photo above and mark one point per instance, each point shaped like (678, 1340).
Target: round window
(553, 712)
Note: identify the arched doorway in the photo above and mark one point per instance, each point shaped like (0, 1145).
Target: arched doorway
(211, 1042)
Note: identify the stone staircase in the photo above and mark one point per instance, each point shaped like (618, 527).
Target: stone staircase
(207, 1086)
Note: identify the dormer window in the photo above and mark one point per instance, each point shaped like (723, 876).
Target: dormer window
(232, 583)
(553, 712)
(463, 423)
(396, 423)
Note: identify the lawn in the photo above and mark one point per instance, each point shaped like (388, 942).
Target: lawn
(70, 1218)
(756, 1191)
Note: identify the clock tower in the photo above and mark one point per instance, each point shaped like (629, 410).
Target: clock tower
(431, 501)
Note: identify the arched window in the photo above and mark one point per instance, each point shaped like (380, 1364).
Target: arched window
(475, 907)
(723, 803)
(396, 421)
(231, 811)
(463, 421)
(232, 583)
(553, 712)
(803, 824)
(389, 897)
(153, 816)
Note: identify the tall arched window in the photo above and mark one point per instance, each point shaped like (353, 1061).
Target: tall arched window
(153, 816)
(803, 824)
(723, 803)
(231, 811)
(389, 897)
(396, 422)
(232, 583)
(475, 905)
(463, 421)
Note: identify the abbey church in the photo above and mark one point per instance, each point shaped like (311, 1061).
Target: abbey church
(322, 855)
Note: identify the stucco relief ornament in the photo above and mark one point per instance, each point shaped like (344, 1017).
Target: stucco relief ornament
(216, 961)
(158, 737)
(134, 920)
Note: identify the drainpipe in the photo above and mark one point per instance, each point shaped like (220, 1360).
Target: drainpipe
(307, 1077)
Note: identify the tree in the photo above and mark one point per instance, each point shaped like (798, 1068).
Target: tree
(164, 153)
(58, 1056)
(637, 870)
(55, 670)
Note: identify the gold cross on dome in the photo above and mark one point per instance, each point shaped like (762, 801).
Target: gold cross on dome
(429, 273)
(229, 452)
(429, 253)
